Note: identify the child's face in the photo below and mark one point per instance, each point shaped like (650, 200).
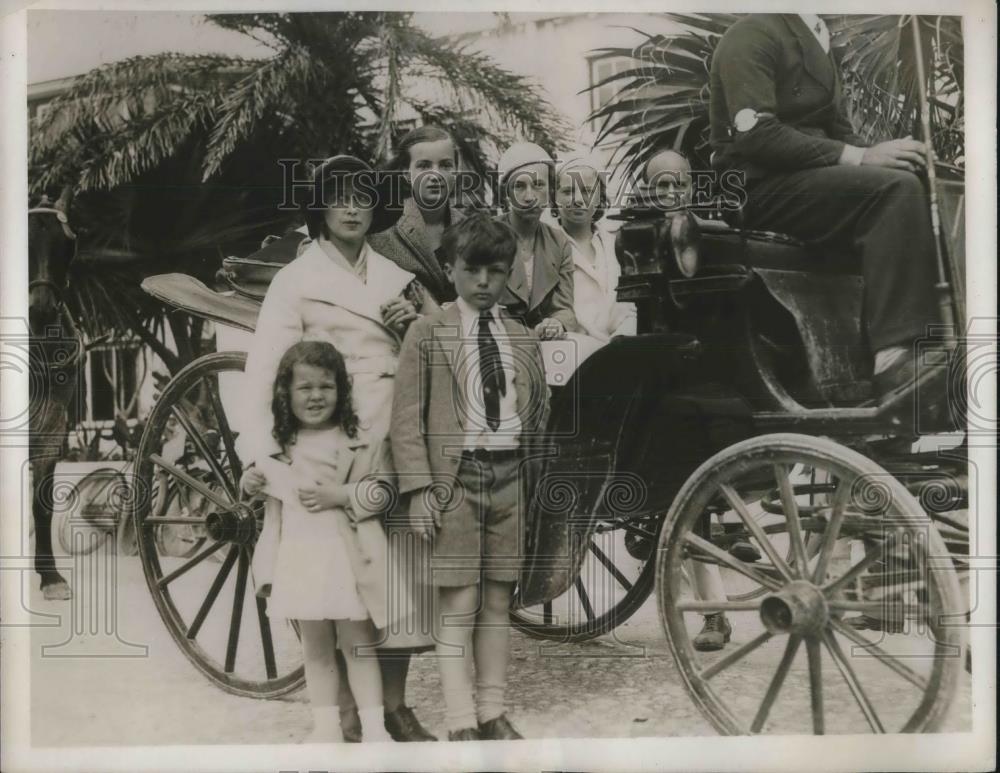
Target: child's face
(528, 190)
(668, 175)
(432, 172)
(479, 286)
(577, 195)
(349, 215)
(313, 395)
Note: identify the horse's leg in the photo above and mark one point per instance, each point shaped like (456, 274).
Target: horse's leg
(53, 584)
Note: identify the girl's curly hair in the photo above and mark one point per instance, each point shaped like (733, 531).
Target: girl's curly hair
(321, 355)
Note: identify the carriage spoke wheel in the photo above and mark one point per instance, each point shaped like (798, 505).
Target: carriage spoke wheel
(615, 579)
(799, 661)
(196, 536)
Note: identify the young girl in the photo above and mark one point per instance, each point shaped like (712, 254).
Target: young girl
(322, 547)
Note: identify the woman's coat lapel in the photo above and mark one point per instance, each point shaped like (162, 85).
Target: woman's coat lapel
(332, 284)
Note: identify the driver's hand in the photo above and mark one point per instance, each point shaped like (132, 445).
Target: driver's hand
(906, 153)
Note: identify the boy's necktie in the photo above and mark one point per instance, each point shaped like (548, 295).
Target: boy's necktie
(490, 371)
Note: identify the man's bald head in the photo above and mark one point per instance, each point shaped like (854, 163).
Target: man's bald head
(668, 177)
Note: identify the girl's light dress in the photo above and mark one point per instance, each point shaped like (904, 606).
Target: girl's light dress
(313, 579)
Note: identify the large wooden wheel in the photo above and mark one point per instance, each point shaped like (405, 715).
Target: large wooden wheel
(878, 555)
(615, 579)
(189, 515)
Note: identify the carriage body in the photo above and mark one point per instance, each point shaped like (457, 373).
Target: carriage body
(764, 336)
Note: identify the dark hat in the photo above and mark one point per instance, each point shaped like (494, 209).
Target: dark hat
(382, 187)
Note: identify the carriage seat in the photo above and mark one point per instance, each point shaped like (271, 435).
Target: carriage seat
(252, 275)
(724, 244)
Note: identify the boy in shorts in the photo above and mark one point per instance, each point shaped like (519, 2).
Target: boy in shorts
(470, 406)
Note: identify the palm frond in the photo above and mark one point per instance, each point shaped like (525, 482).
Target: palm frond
(662, 101)
(878, 59)
(509, 102)
(263, 91)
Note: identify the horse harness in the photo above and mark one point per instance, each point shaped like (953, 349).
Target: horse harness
(65, 317)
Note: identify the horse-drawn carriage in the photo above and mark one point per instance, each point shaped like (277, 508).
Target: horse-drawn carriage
(736, 430)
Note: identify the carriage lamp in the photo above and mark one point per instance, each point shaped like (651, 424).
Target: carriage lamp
(685, 240)
(653, 242)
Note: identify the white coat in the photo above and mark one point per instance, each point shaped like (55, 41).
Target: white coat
(597, 309)
(314, 299)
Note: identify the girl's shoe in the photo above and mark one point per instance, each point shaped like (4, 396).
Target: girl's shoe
(404, 726)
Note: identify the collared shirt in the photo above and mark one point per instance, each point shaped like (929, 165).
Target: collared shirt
(359, 268)
(473, 413)
(818, 28)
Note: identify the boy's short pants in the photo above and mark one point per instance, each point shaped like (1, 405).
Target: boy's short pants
(482, 530)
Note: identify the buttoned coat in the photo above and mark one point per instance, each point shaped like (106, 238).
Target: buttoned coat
(772, 65)
(552, 281)
(427, 433)
(406, 245)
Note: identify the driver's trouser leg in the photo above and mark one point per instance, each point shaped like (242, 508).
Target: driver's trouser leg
(878, 216)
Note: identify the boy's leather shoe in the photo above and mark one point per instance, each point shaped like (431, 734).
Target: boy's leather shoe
(465, 734)
(498, 729)
(403, 725)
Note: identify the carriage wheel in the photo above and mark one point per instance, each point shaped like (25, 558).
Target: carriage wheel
(811, 492)
(615, 580)
(900, 679)
(83, 530)
(210, 609)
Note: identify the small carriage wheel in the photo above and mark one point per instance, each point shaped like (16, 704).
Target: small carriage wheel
(79, 535)
(912, 586)
(260, 658)
(165, 536)
(614, 582)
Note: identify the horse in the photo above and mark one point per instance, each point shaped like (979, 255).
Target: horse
(56, 353)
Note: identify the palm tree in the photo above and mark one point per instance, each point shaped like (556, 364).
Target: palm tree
(662, 101)
(174, 157)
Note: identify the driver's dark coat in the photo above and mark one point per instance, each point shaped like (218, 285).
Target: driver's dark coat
(773, 64)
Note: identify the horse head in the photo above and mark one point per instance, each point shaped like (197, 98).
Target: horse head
(51, 247)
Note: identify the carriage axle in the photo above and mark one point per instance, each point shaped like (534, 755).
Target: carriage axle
(238, 526)
(798, 608)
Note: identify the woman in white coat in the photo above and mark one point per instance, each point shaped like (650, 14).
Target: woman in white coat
(341, 291)
(580, 202)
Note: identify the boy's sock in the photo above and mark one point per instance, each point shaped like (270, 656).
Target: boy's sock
(489, 700)
(326, 725)
(373, 725)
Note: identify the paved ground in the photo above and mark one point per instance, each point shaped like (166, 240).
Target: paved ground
(100, 681)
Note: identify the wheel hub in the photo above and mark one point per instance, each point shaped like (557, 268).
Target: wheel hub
(798, 608)
(238, 526)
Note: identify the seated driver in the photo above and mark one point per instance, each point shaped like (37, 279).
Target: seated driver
(777, 115)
